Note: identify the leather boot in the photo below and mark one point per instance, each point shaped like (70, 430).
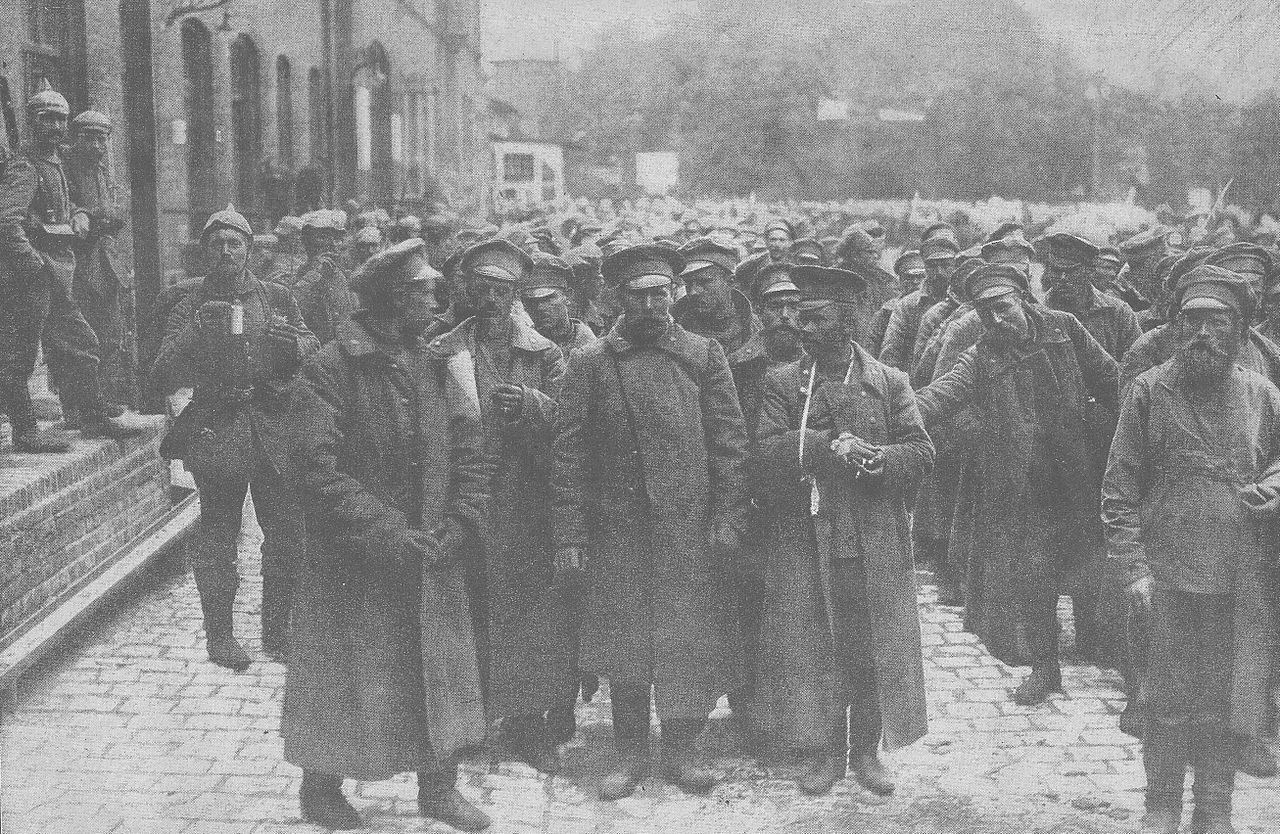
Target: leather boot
(439, 799)
(820, 773)
(531, 743)
(680, 764)
(323, 803)
(1035, 689)
(277, 595)
(1256, 759)
(631, 737)
(217, 588)
(949, 590)
(1213, 758)
(869, 769)
(1164, 758)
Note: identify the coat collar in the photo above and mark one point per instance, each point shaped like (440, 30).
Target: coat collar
(523, 335)
(677, 341)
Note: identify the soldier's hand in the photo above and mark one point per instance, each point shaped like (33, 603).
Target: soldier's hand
(1260, 500)
(284, 334)
(1139, 594)
(429, 549)
(570, 569)
(725, 542)
(509, 400)
(80, 224)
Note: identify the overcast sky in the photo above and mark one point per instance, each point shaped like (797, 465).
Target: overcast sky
(1227, 46)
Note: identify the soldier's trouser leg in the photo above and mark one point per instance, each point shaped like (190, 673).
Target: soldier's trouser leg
(855, 659)
(71, 349)
(750, 614)
(630, 704)
(105, 319)
(283, 544)
(1188, 686)
(212, 551)
(23, 310)
(1040, 618)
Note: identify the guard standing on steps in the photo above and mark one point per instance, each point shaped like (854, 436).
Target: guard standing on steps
(382, 674)
(648, 452)
(39, 230)
(239, 342)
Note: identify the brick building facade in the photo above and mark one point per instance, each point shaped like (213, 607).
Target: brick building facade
(221, 101)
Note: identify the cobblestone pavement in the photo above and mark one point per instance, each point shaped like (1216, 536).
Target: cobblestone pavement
(132, 730)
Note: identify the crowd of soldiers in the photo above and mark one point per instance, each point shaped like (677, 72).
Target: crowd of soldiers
(493, 465)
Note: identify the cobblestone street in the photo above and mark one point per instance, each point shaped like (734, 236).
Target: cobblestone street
(132, 730)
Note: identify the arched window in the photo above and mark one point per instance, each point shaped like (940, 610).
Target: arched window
(197, 97)
(284, 111)
(246, 121)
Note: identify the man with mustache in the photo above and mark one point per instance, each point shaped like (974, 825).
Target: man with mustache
(40, 228)
(777, 344)
(1032, 507)
(526, 642)
(1192, 484)
(777, 238)
(234, 435)
(909, 267)
(939, 257)
(323, 287)
(546, 298)
(712, 306)
(649, 447)
(859, 252)
(844, 447)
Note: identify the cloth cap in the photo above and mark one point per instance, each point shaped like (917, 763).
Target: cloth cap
(1011, 248)
(1109, 255)
(92, 120)
(708, 251)
(784, 225)
(397, 265)
(774, 278)
(909, 263)
(499, 259)
(939, 249)
(855, 240)
(47, 100)
(642, 267)
(1247, 259)
(549, 274)
(1208, 287)
(826, 284)
(288, 225)
(228, 218)
(873, 228)
(1068, 251)
(369, 236)
(806, 250)
(1180, 265)
(410, 222)
(1006, 230)
(940, 228)
(588, 252)
(331, 219)
(1144, 244)
(988, 282)
(265, 240)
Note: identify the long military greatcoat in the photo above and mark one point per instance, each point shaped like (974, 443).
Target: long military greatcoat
(860, 519)
(1027, 515)
(527, 643)
(382, 674)
(648, 454)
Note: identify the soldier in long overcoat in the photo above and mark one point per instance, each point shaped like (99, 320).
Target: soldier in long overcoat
(526, 639)
(649, 446)
(1027, 520)
(382, 675)
(840, 629)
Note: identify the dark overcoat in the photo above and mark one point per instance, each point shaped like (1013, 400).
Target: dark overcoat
(863, 519)
(648, 452)
(1027, 518)
(527, 645)
(382, 675)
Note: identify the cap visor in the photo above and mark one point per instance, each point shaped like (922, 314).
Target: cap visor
(540, 292)
(695, 266)
(1203, 302)
(781, 286)
(993, 293)
(490, 271)
(645, 282)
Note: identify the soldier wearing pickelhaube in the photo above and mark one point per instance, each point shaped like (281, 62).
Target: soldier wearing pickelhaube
(103, 280)
(40, 228)
(239, 342)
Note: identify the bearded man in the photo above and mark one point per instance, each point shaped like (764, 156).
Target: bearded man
(1191, 488)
